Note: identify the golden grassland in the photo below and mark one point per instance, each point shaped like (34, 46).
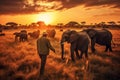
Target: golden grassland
(20, 60)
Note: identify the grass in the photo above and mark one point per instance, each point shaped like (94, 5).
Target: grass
(20, 61)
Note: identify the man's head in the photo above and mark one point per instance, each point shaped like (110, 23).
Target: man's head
(44, 34)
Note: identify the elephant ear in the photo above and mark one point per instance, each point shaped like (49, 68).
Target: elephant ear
(92, 34)
(73, 37)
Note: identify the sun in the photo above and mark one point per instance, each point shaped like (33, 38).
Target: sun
(46, 17)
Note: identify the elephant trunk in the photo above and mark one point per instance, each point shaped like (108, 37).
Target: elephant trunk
(62, 49)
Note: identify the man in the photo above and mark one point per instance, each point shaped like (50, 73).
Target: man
(43, 48)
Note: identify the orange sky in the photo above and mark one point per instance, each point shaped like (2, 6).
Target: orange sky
(62, 13)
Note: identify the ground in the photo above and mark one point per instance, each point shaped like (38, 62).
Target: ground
(20, 60)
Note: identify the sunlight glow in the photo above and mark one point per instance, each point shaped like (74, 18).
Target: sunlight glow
(46, 17)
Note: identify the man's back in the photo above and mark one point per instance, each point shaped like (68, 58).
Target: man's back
(43, 46)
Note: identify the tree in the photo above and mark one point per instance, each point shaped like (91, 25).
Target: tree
(118, 22)
(33, 24)
(102, 24)
(60, 25)
(13, 24)
(41, 23)
(111, 23)
(83, 22)
(72, 24)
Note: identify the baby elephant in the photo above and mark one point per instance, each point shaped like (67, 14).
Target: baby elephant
(22, 36)
(34, 34)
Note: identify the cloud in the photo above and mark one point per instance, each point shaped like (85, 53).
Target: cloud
(36, 6)
(90, 3)
(108, 14)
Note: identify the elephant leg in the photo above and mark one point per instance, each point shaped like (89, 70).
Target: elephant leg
(26, 38)
(81, 55)
(77, 54)
(110, 48)
(16, 38)
(23, 40)
(72, 56)
(20, 39)
(72, 49)
(92, 46)
(106, 48)
(62, 56)
(86, 53)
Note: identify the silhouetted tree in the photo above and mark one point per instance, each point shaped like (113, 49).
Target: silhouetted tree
(72, 24)
(33, 24)
(60, 25)
(11, 25)
(41, 23)
(111, 23)
(102, 24)
(118, 22)
(83, 22)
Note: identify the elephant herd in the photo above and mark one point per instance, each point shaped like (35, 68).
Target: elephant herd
(80, 41)
(23, 34)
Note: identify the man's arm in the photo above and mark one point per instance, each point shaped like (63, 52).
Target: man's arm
(50, 46)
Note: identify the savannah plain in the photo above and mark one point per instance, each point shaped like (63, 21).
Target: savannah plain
(20, 60)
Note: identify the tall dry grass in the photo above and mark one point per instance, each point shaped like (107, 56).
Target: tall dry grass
(20, 61)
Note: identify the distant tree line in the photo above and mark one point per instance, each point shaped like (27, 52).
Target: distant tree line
(83, 24)
(71, 24)
(13, 25)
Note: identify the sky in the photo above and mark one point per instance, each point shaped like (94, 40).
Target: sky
(59, 11)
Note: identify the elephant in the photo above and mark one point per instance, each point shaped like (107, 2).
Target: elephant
(34, 34)
(22, 35)
(101, 37)
(79, 42)
(51, 33)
